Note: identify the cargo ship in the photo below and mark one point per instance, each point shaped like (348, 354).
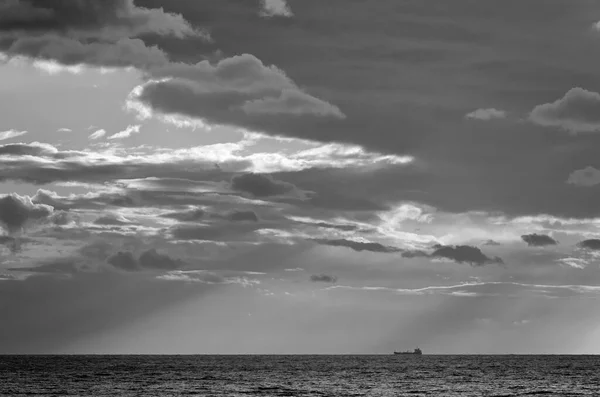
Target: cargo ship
(416, 352)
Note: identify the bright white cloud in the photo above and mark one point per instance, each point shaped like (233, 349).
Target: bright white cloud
(4, 135)
(126, 133)
(98, 134)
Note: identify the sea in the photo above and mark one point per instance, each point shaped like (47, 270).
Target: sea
(383, 375)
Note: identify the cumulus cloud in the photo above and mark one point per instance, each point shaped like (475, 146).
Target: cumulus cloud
(486, 114)
(126, 133)
(590, 244)
(357, 245)
(18, 211)
(150, 260)
(587, 177)
(98, 134)
(323, 278)
(4, 135)
(464, 254)
(538, 240)
(260, 185)
(153, 259)
(101, 33)
(577, 111)
(124, 261)
(238, 91)
(272, 8)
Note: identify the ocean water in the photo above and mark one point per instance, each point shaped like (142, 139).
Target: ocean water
(299, 376)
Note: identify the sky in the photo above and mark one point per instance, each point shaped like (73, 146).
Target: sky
(300, 176)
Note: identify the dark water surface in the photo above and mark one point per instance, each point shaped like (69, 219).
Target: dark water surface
(299, 376)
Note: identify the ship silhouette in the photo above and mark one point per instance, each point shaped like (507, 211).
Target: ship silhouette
(416, 352)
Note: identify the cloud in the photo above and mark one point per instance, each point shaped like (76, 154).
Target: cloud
(217, 232)
(491, 243)
(18, 211)
(590, 244)
(241, 216)
(465, 254)
(323, 278)
(587, 177)
(491, 289)
(124, 261)
(272, 8)
(358, 246)
(206, 277)
(111, 220)
(486, 114)
(30, 149)
(52, 199)
(132, 129)
(238, 91)
(538, 240)
(98, 134)
(64, 130)
(150, 260)
(191, 215)
(88, 32)
(260, 185)
(577, 111)
(4, 135)
(410, 254)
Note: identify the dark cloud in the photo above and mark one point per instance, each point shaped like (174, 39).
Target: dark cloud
(58, 266)
(60, 218)
(241, 216)
(590, 244)
(464, 254)
(148, 260)
(95, 32)
(577, 111)
(14, 245)
(538, 240)
(491, 243)
(358, 245)
(239, 91)
(30, 149)
(260, 185)
(218, 232)
(124, 261)
(323, 278)
(152, 259)
(17, 212)
(100, 250)
(414, 254)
